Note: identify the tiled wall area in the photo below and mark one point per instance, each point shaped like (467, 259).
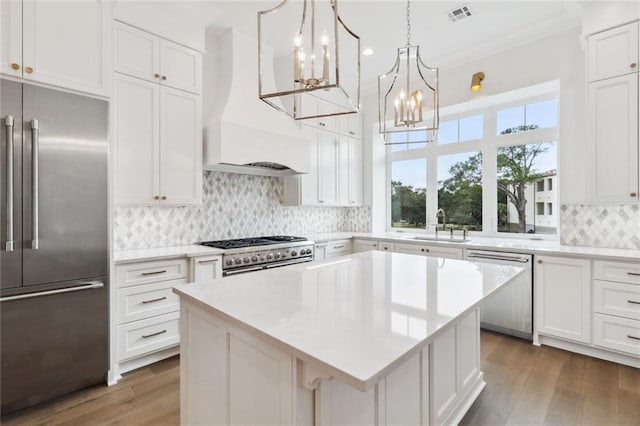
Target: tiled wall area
(233, 206)
(616, 226)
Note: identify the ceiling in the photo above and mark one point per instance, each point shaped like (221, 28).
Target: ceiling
(493, 27)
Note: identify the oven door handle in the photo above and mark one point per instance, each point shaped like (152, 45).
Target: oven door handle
(287, 262)
(241, 270)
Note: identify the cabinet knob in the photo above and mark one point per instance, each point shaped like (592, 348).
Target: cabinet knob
(164, 197)
(28, 69)
(156, 75)
(164, 77)
(15, 66)
(540, 261)
(633, 65)
(157, 197)
(633, 194)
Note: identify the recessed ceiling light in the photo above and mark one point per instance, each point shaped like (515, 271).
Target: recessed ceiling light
(367, 52)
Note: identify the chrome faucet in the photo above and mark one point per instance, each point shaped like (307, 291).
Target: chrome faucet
(444, 219)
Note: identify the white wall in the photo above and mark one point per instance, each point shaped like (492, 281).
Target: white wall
(560, 57)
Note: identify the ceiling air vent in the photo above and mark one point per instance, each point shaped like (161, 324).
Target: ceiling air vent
(459, 13)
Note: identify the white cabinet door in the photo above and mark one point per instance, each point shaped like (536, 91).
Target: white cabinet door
(66, 44)
(181, 67)
(327, 169)
(206, 268)
(355, 172)
(614, 52)
(137, 52)
(180, 147)
(613, 138)
(563, 298)
(11, 37)
(137, 149)
(344, 172)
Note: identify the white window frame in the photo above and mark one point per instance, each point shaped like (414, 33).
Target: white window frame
(488, 145)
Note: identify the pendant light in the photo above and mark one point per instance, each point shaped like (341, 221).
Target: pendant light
(408, 97)
(309, 60)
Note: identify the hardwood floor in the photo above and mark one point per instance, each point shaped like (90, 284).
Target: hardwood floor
(526, 385)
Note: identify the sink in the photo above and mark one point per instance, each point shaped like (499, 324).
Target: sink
(441, 239)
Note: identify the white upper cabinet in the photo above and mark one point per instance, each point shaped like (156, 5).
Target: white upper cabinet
(144, 55)
(63, 44)
(180, 147)
(613, 52)
(613, 135)
(327, 169)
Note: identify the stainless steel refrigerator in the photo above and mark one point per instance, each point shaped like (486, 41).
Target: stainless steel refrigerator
(54, 242)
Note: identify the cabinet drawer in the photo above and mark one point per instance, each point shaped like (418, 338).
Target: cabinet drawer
(151, 272)
(617, 271)
(148, 300)
(618, 299)
(364, 245)
(620, 334)
(382, 246)
(336, 248)
(142, 337)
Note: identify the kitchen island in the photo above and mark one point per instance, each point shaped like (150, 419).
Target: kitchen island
(368, 338)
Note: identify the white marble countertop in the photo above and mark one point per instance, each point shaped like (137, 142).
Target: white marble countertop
(356, 317)
(524, 245)
(192, 250)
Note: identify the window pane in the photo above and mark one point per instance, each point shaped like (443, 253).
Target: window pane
(521, 173)
(408, 193)
(543, 114)
(448, 132)
(471, 128)
(460, 190)
(510, 120)
(404, 138)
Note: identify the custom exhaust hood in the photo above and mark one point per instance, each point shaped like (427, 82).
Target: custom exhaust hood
(245, 134)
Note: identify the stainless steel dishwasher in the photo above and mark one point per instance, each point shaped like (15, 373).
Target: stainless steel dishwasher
(510, 311)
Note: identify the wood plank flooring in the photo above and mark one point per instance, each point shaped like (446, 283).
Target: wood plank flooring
(526, 385)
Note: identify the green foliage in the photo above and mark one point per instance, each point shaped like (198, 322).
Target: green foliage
(408, 205)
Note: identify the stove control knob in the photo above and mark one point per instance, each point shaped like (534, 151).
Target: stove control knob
(308, 251)
(262, 258)
(229, 262)
(277, 255)
(246, 260)
(295, 253)
(270, 256)
(254, 258)
(238, 261)
(284, 255)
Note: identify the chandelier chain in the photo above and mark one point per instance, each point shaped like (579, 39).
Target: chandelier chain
(408, 23)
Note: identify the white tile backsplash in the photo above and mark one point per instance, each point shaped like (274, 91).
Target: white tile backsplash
(615, 226)
(233, 206)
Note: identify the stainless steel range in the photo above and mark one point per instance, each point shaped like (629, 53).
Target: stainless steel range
(253, 254)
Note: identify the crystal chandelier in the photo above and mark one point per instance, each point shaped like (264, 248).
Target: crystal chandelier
(309, 66)
(408, 97)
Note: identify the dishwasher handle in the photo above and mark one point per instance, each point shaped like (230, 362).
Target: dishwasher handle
(504, 257)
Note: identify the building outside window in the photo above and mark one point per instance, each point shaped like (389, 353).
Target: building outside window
(493, 169)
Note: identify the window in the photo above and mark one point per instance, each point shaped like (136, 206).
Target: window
(408, 194)
(484, 172)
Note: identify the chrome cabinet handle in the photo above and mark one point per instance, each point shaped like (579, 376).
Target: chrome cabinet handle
(146, 336)
(634, 274)
(154, 272)
(35, 184)
(155, 300)
(8, 121)
(633, 65)
(338, 247)
(633, 301)
(202, 262)
(633, 337)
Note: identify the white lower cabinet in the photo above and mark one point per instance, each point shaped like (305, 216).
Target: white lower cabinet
(429, 250)
(334, 248)
(206, 268)
(364, 245)
(616, 306)
(563, 298)
(147, 312)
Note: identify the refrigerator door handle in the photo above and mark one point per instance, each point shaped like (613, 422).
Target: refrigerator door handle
(35, 184)
(8, 120)
(89, 285)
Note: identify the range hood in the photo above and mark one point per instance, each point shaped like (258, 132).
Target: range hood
(245, 135)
